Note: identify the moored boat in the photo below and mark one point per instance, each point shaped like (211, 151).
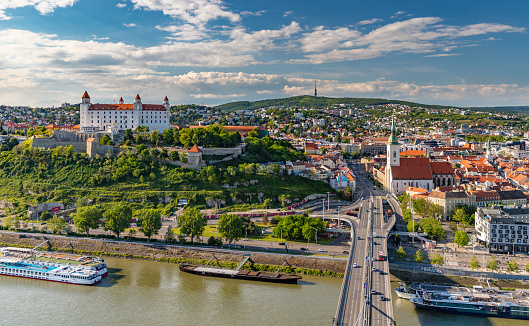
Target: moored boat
(241, 274)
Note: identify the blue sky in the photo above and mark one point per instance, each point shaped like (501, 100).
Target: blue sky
(461, 53)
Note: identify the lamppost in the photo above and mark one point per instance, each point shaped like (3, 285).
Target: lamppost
(323, 210)
(328, 201)
(339, 217)
(281, 233)
(316, 236)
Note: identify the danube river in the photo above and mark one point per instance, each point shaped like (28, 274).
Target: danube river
(150, 293)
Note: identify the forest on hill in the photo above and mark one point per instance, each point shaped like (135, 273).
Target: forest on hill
(316, 103)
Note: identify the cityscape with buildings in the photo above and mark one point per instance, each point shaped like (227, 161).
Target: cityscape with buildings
(224, 162)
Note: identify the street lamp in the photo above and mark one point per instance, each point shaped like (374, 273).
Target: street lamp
(316, 236)
(328, 201)
(281, 233)
(323, 210)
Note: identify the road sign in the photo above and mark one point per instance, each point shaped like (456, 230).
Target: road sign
(56, 209)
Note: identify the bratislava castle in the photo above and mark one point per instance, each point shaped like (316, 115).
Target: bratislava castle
(122, 116)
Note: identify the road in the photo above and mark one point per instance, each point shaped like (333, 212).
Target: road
(358, 305)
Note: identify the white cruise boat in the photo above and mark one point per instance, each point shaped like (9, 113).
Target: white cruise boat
(12, 265)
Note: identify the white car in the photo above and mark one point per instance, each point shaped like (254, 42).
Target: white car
(355, 265)
(245, 239)
(322, 250)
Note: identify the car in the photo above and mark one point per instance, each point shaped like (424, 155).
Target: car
(303, 249)
(281, 243)
(381, 273)
(358, 238)
(321, 250)
(245, 239)
(373, 291)
(374, 269)
(375, 243)
(355, 265)
(345, 252)
(382, 298)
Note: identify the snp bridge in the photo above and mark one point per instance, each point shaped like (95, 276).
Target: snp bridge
(366, 287)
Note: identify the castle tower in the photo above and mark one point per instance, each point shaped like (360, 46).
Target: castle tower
(83, 109)
(166, 102)
(393, 156)
(86, 98)
(121, 100)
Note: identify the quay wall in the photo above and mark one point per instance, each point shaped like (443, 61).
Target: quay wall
(162, 251)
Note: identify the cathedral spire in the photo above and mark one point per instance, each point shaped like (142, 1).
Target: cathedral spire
(393, 140)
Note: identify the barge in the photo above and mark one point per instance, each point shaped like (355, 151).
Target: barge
(240, 274)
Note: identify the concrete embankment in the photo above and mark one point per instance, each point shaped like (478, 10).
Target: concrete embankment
(178, 254)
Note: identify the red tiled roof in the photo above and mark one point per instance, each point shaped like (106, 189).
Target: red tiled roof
(85, 95)
(441, 168)
(195, 149)
(138, 97)
(146, 107)
(412, 168)
(166, 99)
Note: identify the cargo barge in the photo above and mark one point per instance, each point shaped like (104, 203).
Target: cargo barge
(240, 274)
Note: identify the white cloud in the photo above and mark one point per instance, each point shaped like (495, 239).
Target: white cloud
(196, 12)
(416, 35)
(398, 13)
(369, 21)
(130, 25)
(186, 32)
(216, 96)
(253, 13)
(44, 7)
(442, 55)
(287, 13)
(121, 5)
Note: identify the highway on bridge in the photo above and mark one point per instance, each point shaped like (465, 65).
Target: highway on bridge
(366, 293)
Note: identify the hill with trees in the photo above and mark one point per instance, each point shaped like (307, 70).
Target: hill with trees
(316, 103)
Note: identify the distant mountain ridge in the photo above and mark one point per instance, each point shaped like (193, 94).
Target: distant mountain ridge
(508, 109)
(318, 103)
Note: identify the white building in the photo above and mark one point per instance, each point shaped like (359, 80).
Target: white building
(503, 230)
(123, 116)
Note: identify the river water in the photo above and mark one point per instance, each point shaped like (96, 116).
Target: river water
(150, 293)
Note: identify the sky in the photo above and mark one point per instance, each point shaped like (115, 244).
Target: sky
(458, 53)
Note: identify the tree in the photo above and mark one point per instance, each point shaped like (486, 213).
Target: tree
(169, 235)
(452, 225)
(183, 157)
(106, 140)
(413, 228)
(461, 238)
(432, 227)
(117, 218)
(150, 222)
(173, 156)
(231, 227)
(512, 266)
(400, 253)
(437, 259)
(154, 136)
(308, 232)
(493, 264)
(81, 202)
(397, 239)
(527, 267)
(192, 223)
(474, 263)
(419, 256)
(57, 224)
(8, 222)
(44, 216)
(459, 215)
(86, 218)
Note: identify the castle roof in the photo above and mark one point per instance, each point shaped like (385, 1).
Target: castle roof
(138, 97)
(166, 99)
(85, 95)
(195, 149)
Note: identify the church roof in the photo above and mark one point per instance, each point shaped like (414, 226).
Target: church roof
(441, 168)
(412, 168)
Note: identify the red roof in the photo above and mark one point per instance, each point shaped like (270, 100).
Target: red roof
(412, 168)
(195, 149)
(85, 95)
(441, 168)
(138, 97)
(148, 107)
(166, 99)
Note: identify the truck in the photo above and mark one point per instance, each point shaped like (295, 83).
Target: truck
(390, 212)
(380, 255)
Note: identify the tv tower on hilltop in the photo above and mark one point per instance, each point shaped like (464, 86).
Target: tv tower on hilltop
(315, 90)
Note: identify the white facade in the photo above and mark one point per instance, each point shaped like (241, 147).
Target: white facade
(123, 116)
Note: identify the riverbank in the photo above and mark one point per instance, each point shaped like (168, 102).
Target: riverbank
(178, 254)
(410, 276)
